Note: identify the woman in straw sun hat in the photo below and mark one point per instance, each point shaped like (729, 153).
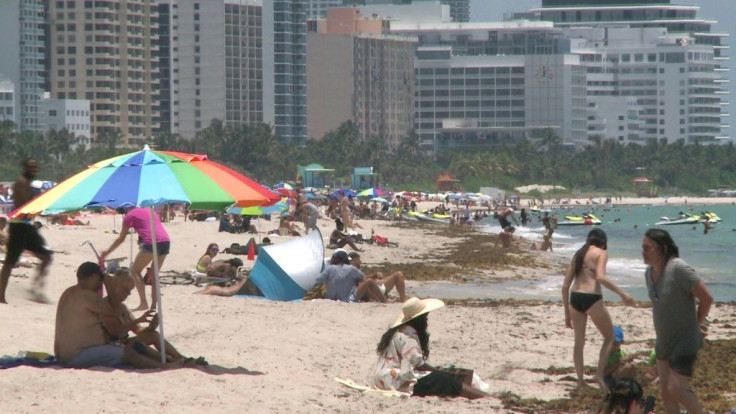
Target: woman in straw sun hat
(403, 352)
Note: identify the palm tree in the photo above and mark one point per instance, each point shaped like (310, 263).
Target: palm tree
(546, 139)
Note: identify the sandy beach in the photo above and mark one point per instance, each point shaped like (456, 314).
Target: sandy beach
(283, 357)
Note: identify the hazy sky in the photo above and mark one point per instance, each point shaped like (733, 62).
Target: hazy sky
(723, 11)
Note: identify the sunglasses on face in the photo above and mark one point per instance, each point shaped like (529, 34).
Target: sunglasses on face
(215, 249)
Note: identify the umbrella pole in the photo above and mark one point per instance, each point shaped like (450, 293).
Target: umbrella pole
(156, 281)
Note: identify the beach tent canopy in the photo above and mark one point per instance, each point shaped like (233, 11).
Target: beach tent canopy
(286, 271)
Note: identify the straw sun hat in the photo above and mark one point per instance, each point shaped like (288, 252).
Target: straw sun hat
(416, 307)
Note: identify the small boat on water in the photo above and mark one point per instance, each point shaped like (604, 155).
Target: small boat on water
(584, 220)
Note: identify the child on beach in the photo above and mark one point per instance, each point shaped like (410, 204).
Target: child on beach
(619, 364)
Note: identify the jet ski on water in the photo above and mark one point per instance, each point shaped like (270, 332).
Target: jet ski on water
(585, 220)
(684, 218)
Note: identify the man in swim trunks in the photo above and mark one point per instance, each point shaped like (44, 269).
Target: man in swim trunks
(385, 284)
(503, 217)
(312, 213)
(79, 340)
(22, 235)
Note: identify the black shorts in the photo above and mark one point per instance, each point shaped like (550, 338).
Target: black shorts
(683, 365)
(23, 236)
(437, 383)
(162, 248)
(503, 222)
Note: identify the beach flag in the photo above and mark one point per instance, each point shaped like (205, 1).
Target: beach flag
(251, 251)
(286, 271)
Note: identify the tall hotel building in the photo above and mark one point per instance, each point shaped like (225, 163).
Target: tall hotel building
(23, 50)
(661, 55)
(216, 64)
(485, 84)
(105, 51)
(357, 72)
(285, 69)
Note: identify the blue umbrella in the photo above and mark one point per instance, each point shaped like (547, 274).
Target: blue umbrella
(347, 191)
(379, 199)
(284, 185)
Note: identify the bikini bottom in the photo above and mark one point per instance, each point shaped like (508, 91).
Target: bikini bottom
(581, 301)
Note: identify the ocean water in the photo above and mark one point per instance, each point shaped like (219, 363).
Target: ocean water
(712, 254)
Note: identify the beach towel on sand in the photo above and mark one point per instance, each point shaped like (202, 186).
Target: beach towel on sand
(29, 359)
(364, 388)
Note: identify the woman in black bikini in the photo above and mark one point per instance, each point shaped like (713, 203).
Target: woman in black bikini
(586, 274)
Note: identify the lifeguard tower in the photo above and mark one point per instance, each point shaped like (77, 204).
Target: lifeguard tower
(363, 178)
(314, 175)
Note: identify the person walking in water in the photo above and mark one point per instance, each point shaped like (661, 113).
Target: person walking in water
(585, 275)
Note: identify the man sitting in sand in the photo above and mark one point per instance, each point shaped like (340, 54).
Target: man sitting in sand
(506, 237)
(384, 284)
(338, 239)
(117, 329)
(79, 341)
(346, 283)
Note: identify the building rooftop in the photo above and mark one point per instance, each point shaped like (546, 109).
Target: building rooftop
(507, 25)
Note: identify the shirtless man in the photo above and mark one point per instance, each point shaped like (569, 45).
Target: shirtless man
(117, 329)
(503, 217)
(385, 284)
(79, 340)
(22, 235)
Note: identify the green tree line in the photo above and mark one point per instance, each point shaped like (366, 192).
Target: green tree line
(605, 164)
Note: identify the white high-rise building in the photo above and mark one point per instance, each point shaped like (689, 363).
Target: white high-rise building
(7, 100)
(23, 48)
(217, 70)
(661, 54)
(482, 84)
(72, 115)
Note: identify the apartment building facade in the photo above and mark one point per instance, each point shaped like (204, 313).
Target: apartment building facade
(357, 72)
(24, 57)
(285, 69)
(661, 54)
(217, 69)
(107, 52)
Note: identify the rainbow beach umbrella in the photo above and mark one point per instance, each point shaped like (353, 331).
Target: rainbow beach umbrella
(146, 178)
(372, 192)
